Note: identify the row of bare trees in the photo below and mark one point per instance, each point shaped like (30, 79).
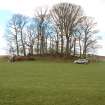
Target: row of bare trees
(64, 29)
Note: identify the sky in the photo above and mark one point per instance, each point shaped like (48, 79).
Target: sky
(94, 8)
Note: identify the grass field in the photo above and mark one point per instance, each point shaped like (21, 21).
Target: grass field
(49, 83)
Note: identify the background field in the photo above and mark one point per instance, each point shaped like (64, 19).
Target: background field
(52, 83)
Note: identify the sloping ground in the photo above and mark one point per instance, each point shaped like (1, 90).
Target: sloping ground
(49, 83)
(101, 58)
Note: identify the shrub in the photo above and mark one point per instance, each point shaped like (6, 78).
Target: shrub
(24, 58)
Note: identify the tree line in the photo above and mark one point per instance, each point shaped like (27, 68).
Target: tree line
(64, 30)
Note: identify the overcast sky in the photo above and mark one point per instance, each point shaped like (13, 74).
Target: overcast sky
(94, 8)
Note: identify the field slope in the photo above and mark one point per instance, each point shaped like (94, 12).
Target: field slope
(49, 83)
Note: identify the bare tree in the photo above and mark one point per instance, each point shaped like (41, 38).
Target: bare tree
(41, 16)
(30, 37)
(44, 29)
(56, 14)
(22, 21)
(86, 34)
(57, 39)
(66, 16)
(62, 30)
(13, 33)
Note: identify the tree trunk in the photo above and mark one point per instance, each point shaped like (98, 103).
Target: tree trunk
(70, 46)
(62, 45)
(31, 50)
(74, 46)
(17, 46)
(80, 48)
(57, 44)
(85, 49)
(67, 46)
(24, 50)
(46, 45)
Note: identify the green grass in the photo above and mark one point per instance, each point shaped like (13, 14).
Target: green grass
(49, 83)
